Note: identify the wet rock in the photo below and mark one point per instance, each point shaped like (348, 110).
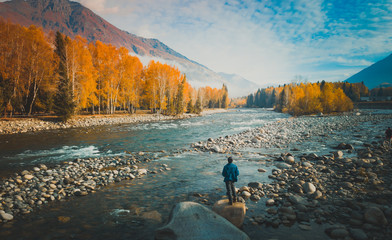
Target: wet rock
(309, 188)
(255, 198)
(43, 167)
(306, 164)
(375, 216)
(290, 160)
(63, 219)
(28, 176)
(339, 233)
(142, 171)
(295, 199)
(317, 195)
(305, 227)
(6, 216)
(358, 234)
(270, 202)
(338, 154)
(152, 215)
(283, 165)
(190, 220)
(244, 188)
(272, 211)
(246, 194)
(255, 185)
(216, 149)
(347, 185)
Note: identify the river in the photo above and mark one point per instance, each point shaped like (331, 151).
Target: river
(111, 212)
(122, 210)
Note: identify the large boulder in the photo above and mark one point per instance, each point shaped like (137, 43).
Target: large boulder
(234, 213)
(189, 220)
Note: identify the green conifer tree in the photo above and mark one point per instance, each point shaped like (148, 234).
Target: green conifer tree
(198, 108)
(64, 105)
(225, 97)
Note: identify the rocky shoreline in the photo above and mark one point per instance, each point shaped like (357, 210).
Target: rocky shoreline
(22, 125)
(349, 195)
(348, 191)
(33, 124)
(26, 191)
(282, 133)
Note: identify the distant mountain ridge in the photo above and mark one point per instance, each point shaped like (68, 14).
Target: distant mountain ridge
(72, 19)
(377, 75)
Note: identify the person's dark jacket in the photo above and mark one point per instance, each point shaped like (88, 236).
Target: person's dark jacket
(230, 172)
(388, 133)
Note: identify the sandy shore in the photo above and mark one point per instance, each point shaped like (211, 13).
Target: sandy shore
(21, 125)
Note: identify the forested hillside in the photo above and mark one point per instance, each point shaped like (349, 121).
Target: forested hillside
(56, 74)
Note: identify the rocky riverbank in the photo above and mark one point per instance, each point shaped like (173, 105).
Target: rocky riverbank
(346, 192)
(286, 132)
(22, 125)
(26, 191)
(349, 196)
(33, 124)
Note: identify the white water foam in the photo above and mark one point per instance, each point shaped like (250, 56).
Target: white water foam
(60, 154)
(250, 122)
(118, 212)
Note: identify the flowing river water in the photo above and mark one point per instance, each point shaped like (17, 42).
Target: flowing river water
(114, 212)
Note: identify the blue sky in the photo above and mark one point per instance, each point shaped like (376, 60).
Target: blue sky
(265, 41)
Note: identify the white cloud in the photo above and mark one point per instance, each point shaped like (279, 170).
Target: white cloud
(263, 41)
(99, 6)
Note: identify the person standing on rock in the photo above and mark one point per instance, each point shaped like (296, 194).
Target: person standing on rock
(388, 135)
(230, 172)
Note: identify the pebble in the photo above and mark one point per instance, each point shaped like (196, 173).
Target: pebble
(6, 216)
(246, 194)
(309, 188)
(339, 233)
(28, 177)
(358, 234)
(305, 227)
(270, 202)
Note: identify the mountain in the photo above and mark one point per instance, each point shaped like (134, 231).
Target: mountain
(72, 19)
(377, 75)
(234, 80)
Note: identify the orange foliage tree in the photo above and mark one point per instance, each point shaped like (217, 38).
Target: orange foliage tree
(103, 78)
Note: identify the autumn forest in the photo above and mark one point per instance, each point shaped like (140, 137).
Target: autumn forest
(53, 74)
(309, 98)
